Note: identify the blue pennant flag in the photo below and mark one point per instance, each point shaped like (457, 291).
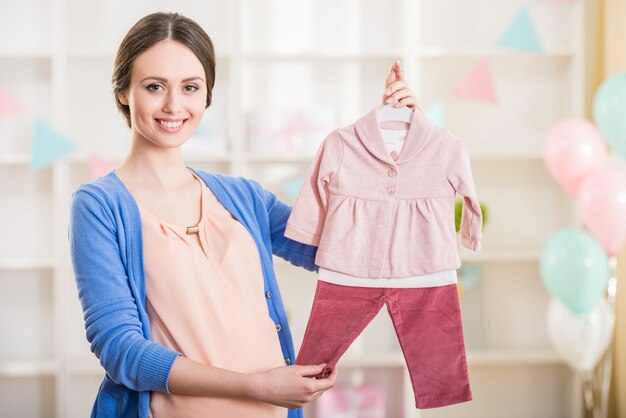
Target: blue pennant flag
(521, 34)
(437, 114)
(48, 146)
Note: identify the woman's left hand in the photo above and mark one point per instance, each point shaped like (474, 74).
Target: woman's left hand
(397, 92)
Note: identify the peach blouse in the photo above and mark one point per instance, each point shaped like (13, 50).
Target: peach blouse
(205, 299)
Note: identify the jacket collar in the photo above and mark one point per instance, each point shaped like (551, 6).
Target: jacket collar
(368, 131)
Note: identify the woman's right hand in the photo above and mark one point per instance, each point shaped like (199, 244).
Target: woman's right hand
(291, 386)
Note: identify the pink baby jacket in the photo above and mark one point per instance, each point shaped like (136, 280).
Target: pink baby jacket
(376, 215)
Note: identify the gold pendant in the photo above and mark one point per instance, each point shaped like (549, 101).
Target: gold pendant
(193, 229)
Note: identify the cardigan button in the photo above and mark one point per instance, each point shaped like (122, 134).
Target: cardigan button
(278, 327)
(287, 361)
(391, 190)
(268, 294)
(392, 173)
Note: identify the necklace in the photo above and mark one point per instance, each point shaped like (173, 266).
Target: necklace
(193, 229)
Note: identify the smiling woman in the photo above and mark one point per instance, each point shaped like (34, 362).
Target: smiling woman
(174, 265)
(179, 308)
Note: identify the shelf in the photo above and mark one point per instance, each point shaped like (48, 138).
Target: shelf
(88, 367)
(475, 357)
(513, 357)
(393, 54)
(24, 158)
(436, 52)
(28, 368)
(487, 357)
(522, 156)
(471, 257)
(500, 256)
(18, 54)
(189, 158)
(14, 158)
(110, 54)
(321, 56)
(27, 264)
(277, 158)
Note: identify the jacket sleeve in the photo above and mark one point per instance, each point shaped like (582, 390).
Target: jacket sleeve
(112, 322)
(307, 219)
(456, 165)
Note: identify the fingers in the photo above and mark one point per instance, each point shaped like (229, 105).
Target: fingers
(403, 97)
(311, 389)
(410, 102)
(397, 68)
(326, 383)
(333, 375)
(395, 92)
(398, 93)
(310, 370)
(392, 76)
(395, 86)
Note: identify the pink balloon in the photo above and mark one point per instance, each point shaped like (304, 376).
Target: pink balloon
(574, 148)
(602, 205)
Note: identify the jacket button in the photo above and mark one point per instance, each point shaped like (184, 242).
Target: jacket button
(287, 361)
(278, 327)
(392, 173)
(391, 190)
(268, 294)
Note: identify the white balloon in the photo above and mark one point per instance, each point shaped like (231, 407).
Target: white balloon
(580, 339)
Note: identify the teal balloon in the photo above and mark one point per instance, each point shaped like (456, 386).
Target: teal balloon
(469, 275)
(609, 111)
(575, 269)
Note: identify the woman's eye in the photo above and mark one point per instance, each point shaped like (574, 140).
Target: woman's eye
(191, 88)
(154, 87)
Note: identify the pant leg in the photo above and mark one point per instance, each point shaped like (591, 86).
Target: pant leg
(339, 314)
(430, 331)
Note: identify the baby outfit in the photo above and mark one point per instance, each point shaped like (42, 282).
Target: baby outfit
(381, 218)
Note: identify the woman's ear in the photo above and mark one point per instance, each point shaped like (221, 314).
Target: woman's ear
(122, 98)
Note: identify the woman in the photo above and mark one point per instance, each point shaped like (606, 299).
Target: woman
(174, 265)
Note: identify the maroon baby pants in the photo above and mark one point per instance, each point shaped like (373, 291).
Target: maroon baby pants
(427, 322)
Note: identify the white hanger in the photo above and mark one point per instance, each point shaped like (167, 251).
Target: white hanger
(388, 112)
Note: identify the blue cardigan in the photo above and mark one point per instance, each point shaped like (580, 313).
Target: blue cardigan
(107, 255)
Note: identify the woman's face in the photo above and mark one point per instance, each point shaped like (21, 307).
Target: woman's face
(167, 94)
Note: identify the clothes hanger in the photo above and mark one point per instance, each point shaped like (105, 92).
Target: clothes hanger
(390, 113)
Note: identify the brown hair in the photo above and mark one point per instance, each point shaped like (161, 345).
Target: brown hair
(150, 30)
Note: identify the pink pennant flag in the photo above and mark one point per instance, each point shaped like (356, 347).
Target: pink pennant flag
(478, 84)
(99, 167)
(8, 104)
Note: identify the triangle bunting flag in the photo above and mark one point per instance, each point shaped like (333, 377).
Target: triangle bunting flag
(48, 146)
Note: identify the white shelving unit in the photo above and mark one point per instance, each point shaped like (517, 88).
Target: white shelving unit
(279, 56)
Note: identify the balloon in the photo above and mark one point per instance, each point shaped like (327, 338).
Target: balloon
(469, 276)
(580, 339)
(609, 111)
(602, 205)
(575, 269)
(574, 148)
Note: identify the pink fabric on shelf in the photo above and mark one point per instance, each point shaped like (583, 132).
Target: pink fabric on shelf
(376, 216)
(367, 401)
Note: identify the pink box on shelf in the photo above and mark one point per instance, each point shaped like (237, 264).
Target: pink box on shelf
(367, 401)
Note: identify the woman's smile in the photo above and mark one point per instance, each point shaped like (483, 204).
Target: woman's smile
(171, 125)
